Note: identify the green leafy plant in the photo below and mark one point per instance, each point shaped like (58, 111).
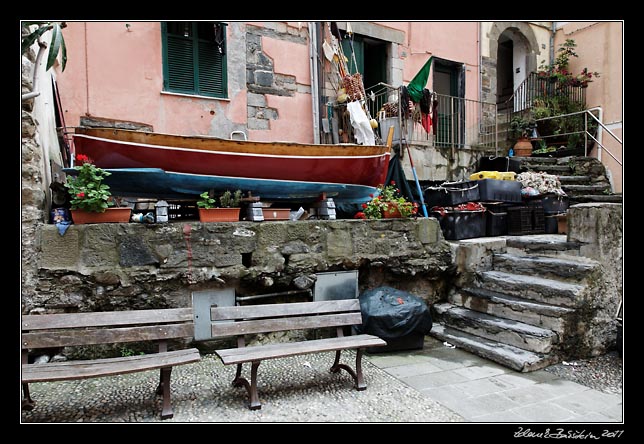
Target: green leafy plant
(86, 189)
(127, 351)
(206, 201)
(56, 46)
(522, 126)
(388, 201)
(559, 71)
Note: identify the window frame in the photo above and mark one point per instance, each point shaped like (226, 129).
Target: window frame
(195, 40)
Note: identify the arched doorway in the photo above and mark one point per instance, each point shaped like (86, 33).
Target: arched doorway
(513, 52)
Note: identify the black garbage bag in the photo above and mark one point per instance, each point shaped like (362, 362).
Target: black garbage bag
(390, 313)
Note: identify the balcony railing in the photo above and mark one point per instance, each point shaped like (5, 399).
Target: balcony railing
(457, 123)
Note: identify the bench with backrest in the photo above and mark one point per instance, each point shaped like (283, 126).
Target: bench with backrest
(244, 320)
(112, 327)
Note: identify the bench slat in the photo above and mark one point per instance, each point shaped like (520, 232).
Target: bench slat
(64, 338)
(280, 350)
(282, 324)
(105, 318)
(287, 309)
(69, 370)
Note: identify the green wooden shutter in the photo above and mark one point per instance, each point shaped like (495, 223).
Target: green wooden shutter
(180, 64)
(210, 75)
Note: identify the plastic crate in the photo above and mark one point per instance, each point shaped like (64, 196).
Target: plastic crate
(525, 220)
(492, 190)
(485, 175)
(551, 203)
(497, 220)
(457, 225)
(449, 194)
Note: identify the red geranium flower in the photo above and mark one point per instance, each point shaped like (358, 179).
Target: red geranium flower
(82, 158)
(81, 195)
(360, 215)
(364, 205)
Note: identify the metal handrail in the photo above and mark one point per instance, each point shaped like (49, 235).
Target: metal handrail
(586, 113)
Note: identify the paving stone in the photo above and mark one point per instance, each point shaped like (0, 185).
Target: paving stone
(544, 412)
(434, 380)
(529, 395)
(479, 372)
(470, 408)
(480, 387)
(502, 416)
(587, 401)
(404, 371)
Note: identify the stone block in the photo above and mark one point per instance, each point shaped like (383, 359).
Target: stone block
(133, 252)
(263, 78)
(294, 247)
(339, 244)
(258, 100)
(258, 124)
(59, 251)
(227, 260)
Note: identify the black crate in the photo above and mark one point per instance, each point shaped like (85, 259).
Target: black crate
(551, 223)
(449, 194)
(494, 190)
(497, 220)
(182, 210)
(525, 220)
(457, 225)
(551, 203)
(499, 164)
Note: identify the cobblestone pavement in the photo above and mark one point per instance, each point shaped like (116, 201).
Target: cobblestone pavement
(297, 389)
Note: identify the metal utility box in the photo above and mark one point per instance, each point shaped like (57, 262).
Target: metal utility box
(337, 285)
(201, 303)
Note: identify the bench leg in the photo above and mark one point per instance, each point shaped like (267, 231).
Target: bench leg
(251, 387)
(357, 374)
(27, 402)
(164, 389)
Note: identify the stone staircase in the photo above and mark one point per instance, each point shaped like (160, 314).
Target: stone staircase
(582, 178)
(524, 311)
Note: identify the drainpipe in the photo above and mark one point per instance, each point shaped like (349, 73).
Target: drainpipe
(553, 30)
(315, 97)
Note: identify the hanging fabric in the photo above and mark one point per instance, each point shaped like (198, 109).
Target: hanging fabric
(435, 114)
(425, 110)
(419, 81)
(360, 123)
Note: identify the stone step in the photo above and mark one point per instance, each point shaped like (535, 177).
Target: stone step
(550, 169)
(570, 269)
(585, 198)
(537, 160)
(544, 244)
(530, 312)
(574, 179)
(512, 357)
(506, 331)
(574, 189)
(535, 288)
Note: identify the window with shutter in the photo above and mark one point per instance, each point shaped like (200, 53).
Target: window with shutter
(194, 58)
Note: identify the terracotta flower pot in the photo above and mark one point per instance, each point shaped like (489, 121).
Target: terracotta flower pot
(115, 215)
(392, 212)
(523, 148)
(219, 214)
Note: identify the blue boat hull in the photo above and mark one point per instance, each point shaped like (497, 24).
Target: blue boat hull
(160, 184)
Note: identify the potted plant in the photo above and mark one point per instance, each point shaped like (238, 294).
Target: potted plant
(228, 210)
(91, 199)
(523, 126)
(387, 204)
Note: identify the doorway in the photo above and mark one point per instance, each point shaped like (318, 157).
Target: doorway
(449, 85)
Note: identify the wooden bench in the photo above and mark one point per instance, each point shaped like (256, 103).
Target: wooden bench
(282, 317)
(74, 329)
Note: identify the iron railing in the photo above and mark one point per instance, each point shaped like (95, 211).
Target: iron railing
(458, 123)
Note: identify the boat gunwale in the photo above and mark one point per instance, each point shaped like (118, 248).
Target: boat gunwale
(228, 146)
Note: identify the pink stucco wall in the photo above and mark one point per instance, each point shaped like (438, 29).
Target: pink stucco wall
(600, 48)
(455, 41)
(289, 58)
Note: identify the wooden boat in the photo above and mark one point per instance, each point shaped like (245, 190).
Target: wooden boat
(193, 164)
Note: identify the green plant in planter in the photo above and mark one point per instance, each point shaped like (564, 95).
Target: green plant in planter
(86, 189)
(230, 200)
(206, 201)
(522, 126)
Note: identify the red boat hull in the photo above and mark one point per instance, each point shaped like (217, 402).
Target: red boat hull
(353, 164)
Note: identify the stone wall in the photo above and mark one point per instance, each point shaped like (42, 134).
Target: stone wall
(444, 164)
(599, 227)
(100, 267)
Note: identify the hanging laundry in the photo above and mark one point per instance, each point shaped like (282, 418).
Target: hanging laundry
(360, 123)
(425, 110)
(435, 114)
